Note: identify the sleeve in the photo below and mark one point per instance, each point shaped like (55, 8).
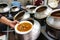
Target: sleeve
(0, 15)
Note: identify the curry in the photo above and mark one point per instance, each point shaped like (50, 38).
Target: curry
(23, 27)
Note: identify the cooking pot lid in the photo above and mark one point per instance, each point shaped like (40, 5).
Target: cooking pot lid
(53, 3)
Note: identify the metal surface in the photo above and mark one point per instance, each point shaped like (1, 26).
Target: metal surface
(43, 30)
(42, 14)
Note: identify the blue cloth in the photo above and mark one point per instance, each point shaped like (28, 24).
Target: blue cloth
(16, 3)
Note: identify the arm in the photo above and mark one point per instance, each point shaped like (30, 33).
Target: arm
(7, 21)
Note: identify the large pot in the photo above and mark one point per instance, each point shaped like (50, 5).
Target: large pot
(31, 35)
(41, 12)
(53, 24)
(4, 9)
(14, 10)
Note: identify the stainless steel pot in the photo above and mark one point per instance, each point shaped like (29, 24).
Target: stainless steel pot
(31, 35)
(14, 10)
(41, 12)
(21, 15)
(53, 24)
(30, 9)
(4, 8)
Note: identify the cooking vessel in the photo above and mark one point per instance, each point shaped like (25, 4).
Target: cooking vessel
(53, 24)
(30, 9)
(30, 21)
(25, 34)
(41, 12)
(31, 35)
(4, 9)
(14, 10)
(21, 15)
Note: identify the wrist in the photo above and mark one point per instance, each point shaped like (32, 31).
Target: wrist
(9, 23)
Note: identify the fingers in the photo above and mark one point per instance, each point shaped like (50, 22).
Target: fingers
(15, 21)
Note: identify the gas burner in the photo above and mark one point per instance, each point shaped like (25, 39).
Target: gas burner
(50, 35)
(43, 30)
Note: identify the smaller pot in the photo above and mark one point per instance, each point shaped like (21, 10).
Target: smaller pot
(21, 15)
(41, 12)
(4, 7)
(14, 10)
(30, 9)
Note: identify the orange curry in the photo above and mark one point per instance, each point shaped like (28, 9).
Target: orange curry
(23, 27)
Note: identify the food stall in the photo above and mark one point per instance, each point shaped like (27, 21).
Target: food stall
(35, 23)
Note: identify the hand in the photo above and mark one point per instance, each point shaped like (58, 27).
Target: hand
(13, 23)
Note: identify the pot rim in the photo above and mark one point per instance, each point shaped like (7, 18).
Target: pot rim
(55, 11)
(25, 31)
(14, 10)
(39, 7)
(46, 12)
(18, 14)
(4, 9)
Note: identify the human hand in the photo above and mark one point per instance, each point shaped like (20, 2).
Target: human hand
(13, 23)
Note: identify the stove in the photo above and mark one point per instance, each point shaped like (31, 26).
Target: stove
(44, 35)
